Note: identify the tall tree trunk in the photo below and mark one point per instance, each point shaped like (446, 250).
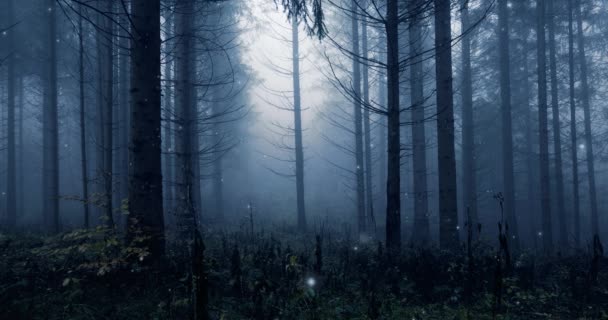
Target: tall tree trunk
(145, 177)
(507, 130)
(184, 113)
(108, 106)
(218, 169)
(531, 159)
(83, 142)
(11, 173)
(573, 132)
(197, 196)
(369, 195)
(297, 112)
(21, 148)
(393, 183)
(587, 114)
(50, 129)
(557, 139)
(448, 206)
(469, 180)
(122, 146)
(547, 233)
(421, 228)
(382, 124)
(168, 120)
(356, 85)
(99, 118)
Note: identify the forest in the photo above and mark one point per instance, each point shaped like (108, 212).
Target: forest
(303, 159)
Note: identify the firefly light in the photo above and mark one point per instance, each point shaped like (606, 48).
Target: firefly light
(311, 282)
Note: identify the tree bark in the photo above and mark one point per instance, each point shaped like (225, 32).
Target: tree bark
(168, 120)
(50, 128)
(382, 134)
(587, 115)
(448, 210)
(469, 179)
(297, 113)
(218, 170)
(421, 228)
(557, 139)
(573, 130)
(11, 173)
(21, 148)
(356, 86)
(393, 184)
(145, 177)
(108, 108)
(83, 145)
(507, 130)
(547, 233)
(369, 195)
(123, 102)
(185, 117)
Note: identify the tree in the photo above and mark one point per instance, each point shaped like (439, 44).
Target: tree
(168, 132)
(356, 85)
(297, 113)
(469, 183)
(393, 184)
(507, 130)
(145, 177)
(547, 232)
(369, 198)
(573, 130)
(105, 60)
(421, 228)
(83, 132)
(185, 117)
(557, 139)
(448, 210)
(50, 128)
(122, 145)
(11, 173)
(584, 96)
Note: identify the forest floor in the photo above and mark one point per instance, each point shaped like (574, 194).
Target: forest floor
(91, 274)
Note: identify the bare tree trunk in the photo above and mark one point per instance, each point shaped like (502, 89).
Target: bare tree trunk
(369, 195)
(145, 177)
(297, 112)
(356, 85)
(469, 180)
(547, 232)
(83, 145)
(507, 130)
(218, 171)
(448, 206)
(587, 114)
(123, 102)
(382, 124)
(421, 229)
(557, 139)
(184, 114)
(21, 148)
(11, 174)
(105, 105)
(531, 159)
(168, 127)
(393, 184)
(50, 129)
(108, 106)
(573, 132)
(197, 196)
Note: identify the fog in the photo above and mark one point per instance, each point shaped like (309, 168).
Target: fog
(405, 124)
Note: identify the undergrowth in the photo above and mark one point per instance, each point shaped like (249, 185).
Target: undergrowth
(92, 274)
